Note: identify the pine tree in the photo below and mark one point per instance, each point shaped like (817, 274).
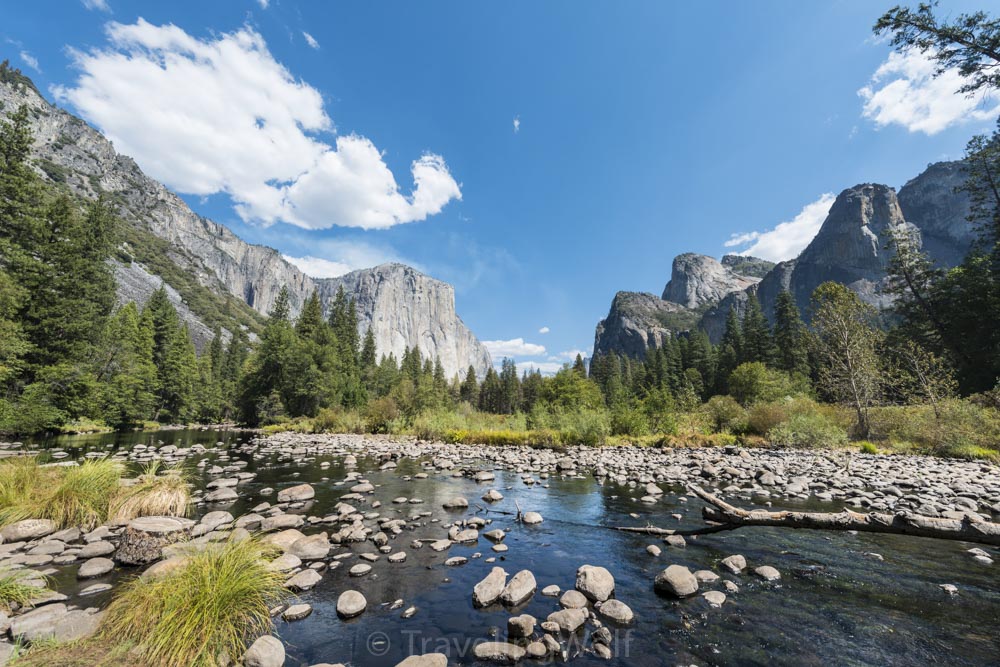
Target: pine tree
(757, 342)
(469, 391)
(310, 319)
(790, 338)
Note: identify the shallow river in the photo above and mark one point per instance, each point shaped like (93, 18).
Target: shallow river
(836, 604)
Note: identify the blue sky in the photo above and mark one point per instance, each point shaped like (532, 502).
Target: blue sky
(539, 156)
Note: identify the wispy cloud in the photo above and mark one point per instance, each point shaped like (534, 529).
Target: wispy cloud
(310, 40)
(263, 3)
(905, 91)
(221, 115)
(515, 347)
(787, 239)
(517, 124)
(30, 60)
(99, 5)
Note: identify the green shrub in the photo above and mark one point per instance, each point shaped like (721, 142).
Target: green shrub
(868, 447)
(754, 382)
(628, 420)
(338, 420)
(811, 430)
(726, 414)
(209, 608)
(959, 427)
(380, 414)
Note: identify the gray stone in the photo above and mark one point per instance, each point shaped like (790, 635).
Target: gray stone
(488, 591)
(95, 567)
(304, 580)
(767, 573)
(676, 580)
(520, 587)
(266, 651)
(297, 612)
(29, 529)
(351, 604)
(501, 652)
(595, 582)
(616, 610)
(295, 494)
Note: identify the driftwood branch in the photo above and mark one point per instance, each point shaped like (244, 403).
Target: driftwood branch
(722, 516)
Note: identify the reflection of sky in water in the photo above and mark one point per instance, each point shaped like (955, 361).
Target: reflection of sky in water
(834, 605)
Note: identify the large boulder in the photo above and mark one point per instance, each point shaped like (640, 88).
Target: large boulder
(143, 540)
(267, 651)
(294, 494)
(595, 582)
(488, 591)
(351, 604)
(29, 529)
(676, 580)
(520, 587)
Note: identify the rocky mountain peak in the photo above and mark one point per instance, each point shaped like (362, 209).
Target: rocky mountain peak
(696, 280)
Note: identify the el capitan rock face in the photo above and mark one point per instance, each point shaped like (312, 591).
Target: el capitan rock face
(407, 308)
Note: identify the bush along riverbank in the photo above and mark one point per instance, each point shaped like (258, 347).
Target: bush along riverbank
(208, 589)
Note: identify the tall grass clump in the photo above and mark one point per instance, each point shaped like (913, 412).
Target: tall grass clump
(19, 587)
(69, 495)
(211, 607)
(153, 494)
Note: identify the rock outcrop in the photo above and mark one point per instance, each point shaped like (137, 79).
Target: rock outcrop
(933, 202)
(696, 280)
(405, 307)
(638, 320)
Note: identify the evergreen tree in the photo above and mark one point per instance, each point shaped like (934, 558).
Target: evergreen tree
(790, 339)
(469, 391)
(757, 342)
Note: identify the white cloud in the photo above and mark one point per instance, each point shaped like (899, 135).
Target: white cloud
(570, 355)
(787, 239)
(30, 60)
(310, 40)
(904, 91)
(517, 124)
(545, 367)
(222, 115)
(100, 5)
(543, 330)
(263, 3)
(337, 257)
(515, 347)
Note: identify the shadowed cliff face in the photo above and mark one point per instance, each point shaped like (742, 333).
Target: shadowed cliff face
(68, 150)
(933, 202)
(638, 320)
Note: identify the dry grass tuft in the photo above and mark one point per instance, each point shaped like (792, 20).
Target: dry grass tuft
(154, 494)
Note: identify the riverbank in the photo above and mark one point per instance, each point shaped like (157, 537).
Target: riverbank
(389, 535)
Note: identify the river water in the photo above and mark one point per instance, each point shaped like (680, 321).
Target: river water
(836, 604)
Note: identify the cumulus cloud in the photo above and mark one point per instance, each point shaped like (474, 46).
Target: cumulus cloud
(544, 330)
(517, 124)
(263, 3)
(30, 60)
(310, 40)
(99, 5)
(515, 347)
(221, 115)
(787, 239)
(905, 91)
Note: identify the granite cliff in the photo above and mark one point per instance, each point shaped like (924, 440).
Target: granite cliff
(213, 276)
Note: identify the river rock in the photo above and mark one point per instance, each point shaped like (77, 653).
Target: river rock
(95, 567)
(498, 652)
(144, 538)
(297, 612)
(735, 563)
(281, 522)
(676, 580)
(351, 604)
(488, 591)
(573, 600)
(266, 651)
(163, 568)
(492, 496)
(568, 620)
(426, 660)
(54, 621)
(304, 580)
(295, 494)
(595, 582)
(455, 503)
(714, 598)
(216, 519)
(521, 626)
(222, 495)
(311, 547)
(29, 529)
(532, 518)
(520, 587)
(767, 573)
(616, 610)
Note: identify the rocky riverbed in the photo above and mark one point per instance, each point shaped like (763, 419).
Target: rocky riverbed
(406, 548)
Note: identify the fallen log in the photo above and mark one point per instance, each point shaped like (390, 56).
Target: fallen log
(722, 517)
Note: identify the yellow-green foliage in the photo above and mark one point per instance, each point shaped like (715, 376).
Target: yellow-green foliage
(69, 495)
(84, 425)
(338, 420)
(213, 606)
(20, 587)
(154, 493)
(867, 447)
(539, 438)
(960, 428)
